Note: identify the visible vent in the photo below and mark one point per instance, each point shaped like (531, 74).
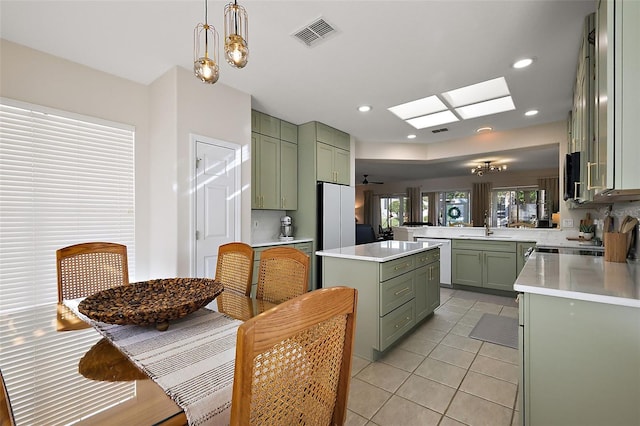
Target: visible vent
(315, 32)
(444, 129)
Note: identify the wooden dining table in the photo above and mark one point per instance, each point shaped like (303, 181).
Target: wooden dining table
(59, 370)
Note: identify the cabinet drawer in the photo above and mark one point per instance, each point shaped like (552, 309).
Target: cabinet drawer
(305, 247)
(396, 292)
(396, 324)
(506, 246)
(396, 267)
(427, 257)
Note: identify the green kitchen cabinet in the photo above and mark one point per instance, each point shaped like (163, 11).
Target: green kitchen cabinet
(288, 175)
(333, 164)
(523, 247)
(393, 296)
(427, 283)
(266, 172)
(579, 362)
(486, 264)
(274, 153)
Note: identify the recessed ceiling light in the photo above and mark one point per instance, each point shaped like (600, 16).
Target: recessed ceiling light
(430, 120)
(484, 129)
(411, 136)
(419, 107)
(522, 63)
(480, 109)
(364, 108)
(490, 89)
(531, 112)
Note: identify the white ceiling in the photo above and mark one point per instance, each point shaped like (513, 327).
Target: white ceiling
(384, 53)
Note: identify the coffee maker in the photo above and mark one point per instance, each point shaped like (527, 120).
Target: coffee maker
(286, 229)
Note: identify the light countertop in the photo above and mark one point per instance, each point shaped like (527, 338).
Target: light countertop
(381, 251)
(579, 277)
(279, 243)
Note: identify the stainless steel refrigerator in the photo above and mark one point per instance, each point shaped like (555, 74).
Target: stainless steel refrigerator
(336, 219)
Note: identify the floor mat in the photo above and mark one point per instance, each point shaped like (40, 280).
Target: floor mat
(497, 329)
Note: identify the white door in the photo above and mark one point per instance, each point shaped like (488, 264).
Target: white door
(218, 190)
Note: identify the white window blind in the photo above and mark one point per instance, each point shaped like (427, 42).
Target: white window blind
(64, 179)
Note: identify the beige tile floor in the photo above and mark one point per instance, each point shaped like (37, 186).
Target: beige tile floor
(438, 375)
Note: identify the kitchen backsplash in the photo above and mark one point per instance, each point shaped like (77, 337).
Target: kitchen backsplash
(265, 225)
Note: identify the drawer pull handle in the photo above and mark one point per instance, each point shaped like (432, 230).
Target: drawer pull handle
(404, 323)
(404, 290)
(406, 265)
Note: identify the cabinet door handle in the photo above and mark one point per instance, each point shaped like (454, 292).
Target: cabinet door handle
(589, 186)
(283, 202)
(406, 265)
(407, 319)
(399, 292)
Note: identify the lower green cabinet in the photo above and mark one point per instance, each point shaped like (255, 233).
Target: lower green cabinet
(481, 263)
(522, 250)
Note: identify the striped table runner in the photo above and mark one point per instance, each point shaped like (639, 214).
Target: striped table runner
(192, 361)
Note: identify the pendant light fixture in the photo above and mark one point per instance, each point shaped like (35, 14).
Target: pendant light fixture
(206, 41)
(236, 21)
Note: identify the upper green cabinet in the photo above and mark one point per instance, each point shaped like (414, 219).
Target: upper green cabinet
(274, 152)
(333, 155)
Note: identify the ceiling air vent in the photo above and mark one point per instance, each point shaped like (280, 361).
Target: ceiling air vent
(444, 129)
(315, 32)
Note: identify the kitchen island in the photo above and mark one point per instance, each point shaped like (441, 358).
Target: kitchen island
(579, 341)
(398, 285)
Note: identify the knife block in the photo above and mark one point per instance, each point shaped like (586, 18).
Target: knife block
(615, 247)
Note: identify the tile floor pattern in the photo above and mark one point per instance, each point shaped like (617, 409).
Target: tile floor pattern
(438, 375)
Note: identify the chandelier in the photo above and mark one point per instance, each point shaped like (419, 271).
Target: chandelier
(236, 22)
(487, 167)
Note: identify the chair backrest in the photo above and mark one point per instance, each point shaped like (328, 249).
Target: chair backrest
(283, 274)
(84, 269)
(293, 362)
(235, 267)
(6, 413)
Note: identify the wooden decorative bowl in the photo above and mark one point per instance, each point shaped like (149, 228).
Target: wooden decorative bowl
(154, 302)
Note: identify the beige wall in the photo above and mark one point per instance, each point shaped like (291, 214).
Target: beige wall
(163, 115)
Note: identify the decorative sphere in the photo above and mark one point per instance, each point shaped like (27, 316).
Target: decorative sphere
(206, 70)
(236, 51)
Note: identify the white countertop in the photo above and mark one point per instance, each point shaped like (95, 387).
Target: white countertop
(587, 278)
(279, 243)
(381, 251)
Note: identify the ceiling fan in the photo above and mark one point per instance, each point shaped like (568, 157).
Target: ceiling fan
(365, 181)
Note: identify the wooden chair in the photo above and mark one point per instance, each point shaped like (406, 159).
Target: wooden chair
(6, 413)
(84, 269)
(283, 274)
(293, 362)
(235, 267)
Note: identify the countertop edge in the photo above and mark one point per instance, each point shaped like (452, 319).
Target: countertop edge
(279, 243)
(589, 297)
(376, 259)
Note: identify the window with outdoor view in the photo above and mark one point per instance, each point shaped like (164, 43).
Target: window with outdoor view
(393, 210)
(454, 208)
(514, 206)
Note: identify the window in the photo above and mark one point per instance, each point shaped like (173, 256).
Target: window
(454, 208)
(64, 179)
(393, 211)
(514, 205)
(425, 208)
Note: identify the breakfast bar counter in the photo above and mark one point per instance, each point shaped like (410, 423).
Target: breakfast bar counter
(398, 285)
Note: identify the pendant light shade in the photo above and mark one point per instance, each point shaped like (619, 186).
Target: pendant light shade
(205, 51)
(236, 21)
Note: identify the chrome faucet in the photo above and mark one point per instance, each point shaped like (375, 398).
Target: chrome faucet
(487, 230)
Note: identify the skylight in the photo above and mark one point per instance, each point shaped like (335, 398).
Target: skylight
(477, 100)
(419, 107)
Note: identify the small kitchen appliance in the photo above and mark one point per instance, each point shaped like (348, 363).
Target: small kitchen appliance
(286, 229)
